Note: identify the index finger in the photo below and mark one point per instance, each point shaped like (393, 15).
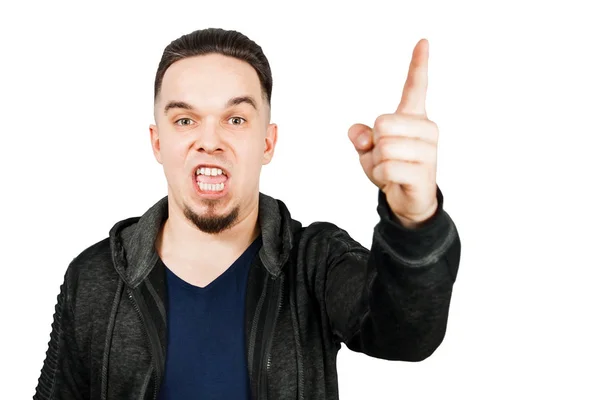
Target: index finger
(415, 87)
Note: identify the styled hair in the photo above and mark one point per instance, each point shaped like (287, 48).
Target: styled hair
(216, 41)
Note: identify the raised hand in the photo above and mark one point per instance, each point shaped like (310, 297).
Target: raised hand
(399, 154)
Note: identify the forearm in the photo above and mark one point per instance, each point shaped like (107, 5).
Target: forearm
(402, 304)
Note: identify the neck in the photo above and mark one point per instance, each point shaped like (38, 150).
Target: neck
(181, 239)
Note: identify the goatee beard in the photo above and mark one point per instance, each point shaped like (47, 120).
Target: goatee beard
(212, 224)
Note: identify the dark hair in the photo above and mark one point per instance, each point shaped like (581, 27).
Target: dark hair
(215, 40)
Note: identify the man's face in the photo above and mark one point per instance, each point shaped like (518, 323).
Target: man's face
(211, 116)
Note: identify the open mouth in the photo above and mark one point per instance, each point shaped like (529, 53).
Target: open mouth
(211, 180)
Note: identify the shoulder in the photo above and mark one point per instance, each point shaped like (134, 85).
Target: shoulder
(91, 272)
(92, 260)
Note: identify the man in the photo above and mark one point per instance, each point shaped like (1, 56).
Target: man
(216, 292)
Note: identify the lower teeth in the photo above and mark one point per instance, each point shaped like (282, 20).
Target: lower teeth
(210, 187)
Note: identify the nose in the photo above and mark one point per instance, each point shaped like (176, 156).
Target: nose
(208, 137)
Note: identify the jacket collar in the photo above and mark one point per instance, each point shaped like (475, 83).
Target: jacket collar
(133, 239)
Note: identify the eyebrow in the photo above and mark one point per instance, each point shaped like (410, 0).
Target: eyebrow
(234, 101)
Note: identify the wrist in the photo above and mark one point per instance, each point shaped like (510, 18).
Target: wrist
(415, 222)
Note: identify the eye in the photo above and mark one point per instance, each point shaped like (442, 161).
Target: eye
(237, 120)
(184, 122)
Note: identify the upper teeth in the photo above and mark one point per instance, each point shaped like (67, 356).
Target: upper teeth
(209, 171)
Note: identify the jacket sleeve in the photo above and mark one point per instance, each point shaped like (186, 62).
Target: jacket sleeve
(392, 302)
(62, 374)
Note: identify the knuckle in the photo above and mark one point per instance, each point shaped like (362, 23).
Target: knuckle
(381, 171)
(432, 156)
(388, 170)
(377, 172)
(435, 130)
(381, 123)
(384, 149)
(376, 154)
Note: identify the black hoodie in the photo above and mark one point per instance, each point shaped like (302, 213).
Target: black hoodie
(309, 290)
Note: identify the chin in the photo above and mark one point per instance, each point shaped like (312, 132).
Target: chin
(214, 217)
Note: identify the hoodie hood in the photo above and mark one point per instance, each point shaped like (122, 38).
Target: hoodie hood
(132, 240)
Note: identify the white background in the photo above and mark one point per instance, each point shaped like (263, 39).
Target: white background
(514, 88)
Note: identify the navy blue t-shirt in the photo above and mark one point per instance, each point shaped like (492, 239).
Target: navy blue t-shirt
(206, 348)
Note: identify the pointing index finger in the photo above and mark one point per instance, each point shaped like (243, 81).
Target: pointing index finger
(415, 87)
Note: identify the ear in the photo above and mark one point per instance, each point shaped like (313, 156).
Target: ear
(270, 142)
(155, 142)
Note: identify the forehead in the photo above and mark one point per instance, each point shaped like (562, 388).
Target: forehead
(209, 79)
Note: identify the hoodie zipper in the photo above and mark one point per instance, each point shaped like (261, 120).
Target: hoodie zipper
(298, 348)
(270, 324)
(254, 327)
(152, 338)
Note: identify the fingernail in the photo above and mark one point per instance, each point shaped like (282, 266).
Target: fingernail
(363, 139)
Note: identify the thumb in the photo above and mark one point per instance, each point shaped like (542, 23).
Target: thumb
(361, 137)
